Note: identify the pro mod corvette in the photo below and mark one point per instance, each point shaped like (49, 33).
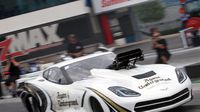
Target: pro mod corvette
(105, 82)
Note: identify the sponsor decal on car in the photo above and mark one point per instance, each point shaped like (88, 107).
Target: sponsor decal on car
(152, 81)
(63, 100)
(61, 96)
(67, 103)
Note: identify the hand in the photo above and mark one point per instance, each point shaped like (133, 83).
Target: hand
(160, 46)
(75, 55)
(154, 44)
(78, 54)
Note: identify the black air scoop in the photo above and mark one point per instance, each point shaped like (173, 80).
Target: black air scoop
(145, 75)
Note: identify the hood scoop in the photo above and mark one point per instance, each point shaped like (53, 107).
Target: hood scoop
(145, 75)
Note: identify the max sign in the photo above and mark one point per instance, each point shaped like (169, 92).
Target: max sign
(101, 6)
(24, 42)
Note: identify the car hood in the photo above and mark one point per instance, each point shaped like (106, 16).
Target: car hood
(143, 79)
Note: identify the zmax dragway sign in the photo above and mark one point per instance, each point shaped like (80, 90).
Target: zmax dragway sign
(101, 6)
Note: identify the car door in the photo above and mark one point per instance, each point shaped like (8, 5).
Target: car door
(60, 91)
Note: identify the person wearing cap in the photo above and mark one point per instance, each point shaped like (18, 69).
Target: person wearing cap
(74, 48)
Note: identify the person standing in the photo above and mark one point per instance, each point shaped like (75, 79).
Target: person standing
(160, 46)
(74, 48)
(13, 70)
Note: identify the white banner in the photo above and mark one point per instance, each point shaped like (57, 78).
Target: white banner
(107, 5)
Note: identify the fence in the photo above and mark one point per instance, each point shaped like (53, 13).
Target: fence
(190, 37)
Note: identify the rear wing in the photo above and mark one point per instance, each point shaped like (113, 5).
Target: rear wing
(130, 55)
(127, 59)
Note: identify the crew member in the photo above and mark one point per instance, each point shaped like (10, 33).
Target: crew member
(13, 70)
(74, 48)
(160, 46)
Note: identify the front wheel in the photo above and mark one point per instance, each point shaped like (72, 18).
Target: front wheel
(32, 104)
(95, 105)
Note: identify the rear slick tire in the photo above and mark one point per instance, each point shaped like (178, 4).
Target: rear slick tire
(32, 105)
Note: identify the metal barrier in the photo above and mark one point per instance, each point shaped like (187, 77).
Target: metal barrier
(184, 37)
(190, 37)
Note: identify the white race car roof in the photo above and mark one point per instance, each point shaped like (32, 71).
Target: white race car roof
(64, 63)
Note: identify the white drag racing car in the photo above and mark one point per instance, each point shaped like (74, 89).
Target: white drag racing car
(105, 82)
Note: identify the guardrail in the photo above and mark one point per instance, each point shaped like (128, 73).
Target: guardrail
(184, 37)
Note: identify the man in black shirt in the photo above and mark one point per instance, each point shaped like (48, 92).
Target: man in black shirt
(160, 46)
(13, 70)
(75, 48)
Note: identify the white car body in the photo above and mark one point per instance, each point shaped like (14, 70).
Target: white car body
(149, 88)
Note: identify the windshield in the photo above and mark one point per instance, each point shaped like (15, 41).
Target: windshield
(193, 6)
(80, 70)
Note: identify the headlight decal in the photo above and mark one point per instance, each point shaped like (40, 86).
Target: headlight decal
(108, 101)
(181, 76)
(123, 92)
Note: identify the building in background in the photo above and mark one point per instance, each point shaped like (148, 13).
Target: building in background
(117, 20)
(120, 23)
(37, 28)
(170, 23)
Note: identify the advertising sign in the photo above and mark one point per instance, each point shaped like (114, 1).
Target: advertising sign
(47, 40)
(101, 6)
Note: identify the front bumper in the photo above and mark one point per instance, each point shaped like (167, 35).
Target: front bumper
(165, 103)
